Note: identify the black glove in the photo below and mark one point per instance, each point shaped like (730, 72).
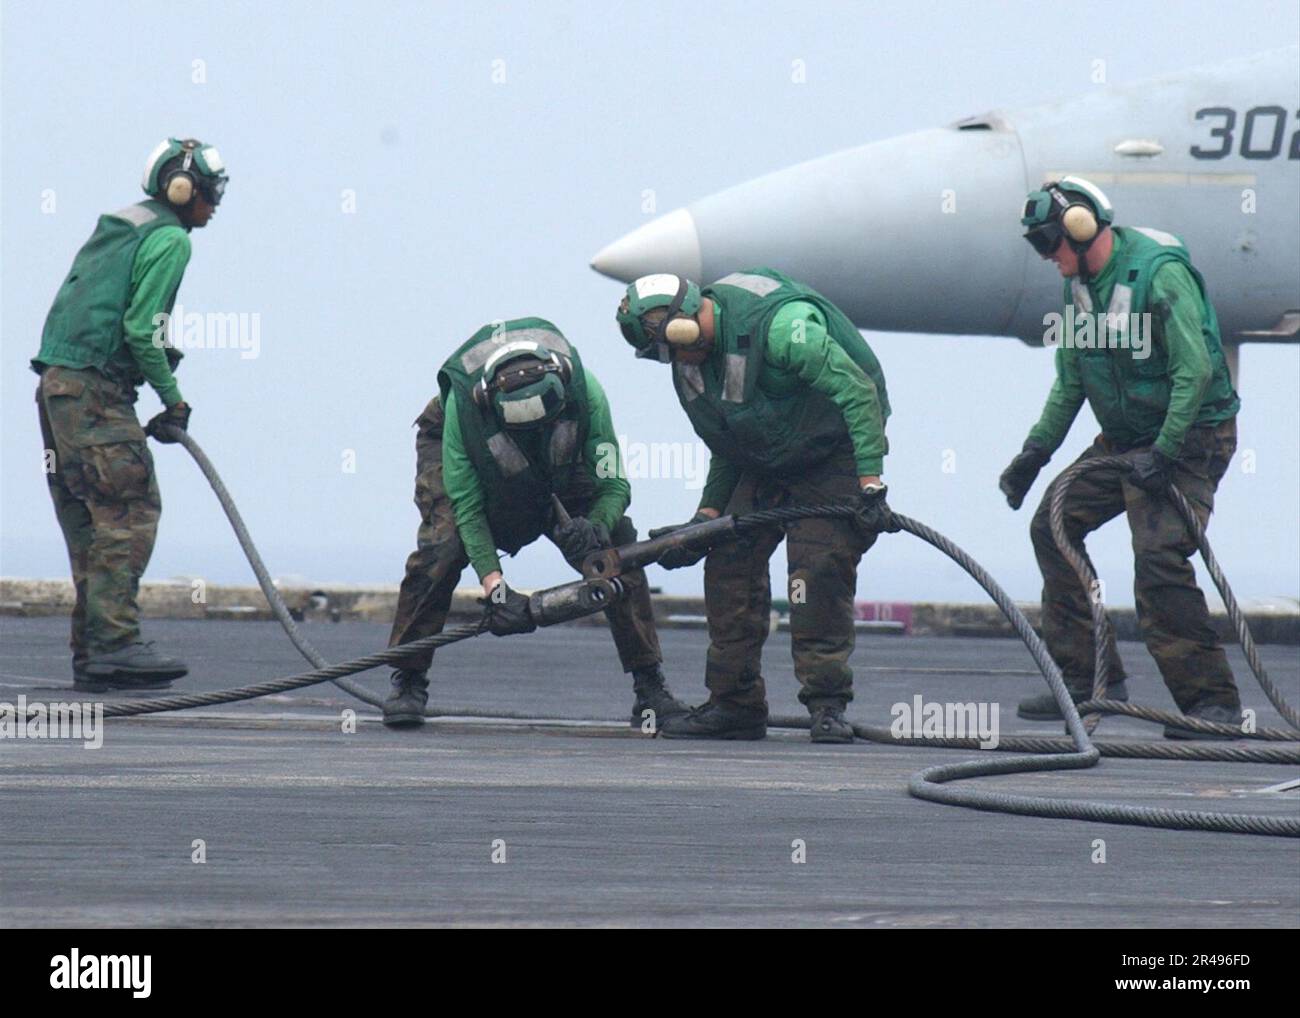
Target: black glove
(579, 538)
(1018, 478)
(1151, 469)
(177, 416)
(173, 357)
(875, 512)
(507, 611)
(680, 558)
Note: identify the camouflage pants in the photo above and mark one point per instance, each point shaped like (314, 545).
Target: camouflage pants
(1171, 609)
(823, 556)
(435, 567)
(101, 478)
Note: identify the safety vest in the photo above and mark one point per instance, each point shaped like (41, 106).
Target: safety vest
(518, 469)
(1128, 394)
(84, 327)
(728, 409)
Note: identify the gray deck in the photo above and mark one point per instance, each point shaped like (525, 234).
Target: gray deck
(306, 825)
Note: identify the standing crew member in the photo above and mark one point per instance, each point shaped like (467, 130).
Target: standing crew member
(791, 402)
(1167, 398)
(100, 343)
(518, 423)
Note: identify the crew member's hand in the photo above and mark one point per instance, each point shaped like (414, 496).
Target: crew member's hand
(875, 512)
(177, 415)
(579, 538)
(507, 611)
(1151, 470)
(1018, 478)
(680, 558)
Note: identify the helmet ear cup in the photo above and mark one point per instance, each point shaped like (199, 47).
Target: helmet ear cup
(180, 189)
(1080, 223)
(181, 182)
(682, 331)
(565, 367)
(482, 396)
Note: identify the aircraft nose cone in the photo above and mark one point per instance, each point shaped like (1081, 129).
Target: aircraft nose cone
(918, 233)
(670, 243)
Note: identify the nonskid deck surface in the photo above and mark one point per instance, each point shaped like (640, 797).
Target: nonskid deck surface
(302, 823)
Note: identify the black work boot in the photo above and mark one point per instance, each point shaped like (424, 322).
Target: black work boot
(828, 724)
(1217, 712)
(653, 694)
(83, 683)
(1043, 707)
(80, 680)
(404, 707)
(717, 721)
(135, 666)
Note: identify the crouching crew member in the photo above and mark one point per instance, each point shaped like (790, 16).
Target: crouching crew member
(517, 422)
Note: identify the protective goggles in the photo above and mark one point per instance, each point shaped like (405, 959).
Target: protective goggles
(209, 178)
(1045, 238)
(213, 189)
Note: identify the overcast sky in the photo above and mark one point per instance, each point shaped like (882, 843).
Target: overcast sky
(390, 193)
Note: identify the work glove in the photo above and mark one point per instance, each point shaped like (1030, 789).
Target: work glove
(1018, 478)
(579, 538)
(173, 357)
(1151, 470)
(874, 512)
(177, 416)
(507, 611)
(680, 558)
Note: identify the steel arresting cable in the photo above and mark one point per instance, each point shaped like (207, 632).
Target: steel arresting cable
(1076, 752)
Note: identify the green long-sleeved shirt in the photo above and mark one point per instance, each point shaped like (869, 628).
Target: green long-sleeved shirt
(1190, 368)
(155, 277)
(800, 352)
(600, 456)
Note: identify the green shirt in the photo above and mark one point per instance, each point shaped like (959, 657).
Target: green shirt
(159, 265)
(1190, 369)
(613, 493)
(800, 352)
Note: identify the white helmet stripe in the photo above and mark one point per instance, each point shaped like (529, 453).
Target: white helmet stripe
(662, 284)
(1090, 189)
(519, 346)
(154, 156)
(523, 411)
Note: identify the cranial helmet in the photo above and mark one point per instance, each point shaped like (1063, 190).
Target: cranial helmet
(177, 170)
(678, 299)
(1071, 207)
(524, 384)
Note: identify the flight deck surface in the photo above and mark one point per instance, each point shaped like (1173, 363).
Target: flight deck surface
(304, 824)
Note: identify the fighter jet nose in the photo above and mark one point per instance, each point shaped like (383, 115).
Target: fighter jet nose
(667, 244)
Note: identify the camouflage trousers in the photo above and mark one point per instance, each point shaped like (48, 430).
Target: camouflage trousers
(1171, 609)
(435, 567)
(822, 555)
(101, 479)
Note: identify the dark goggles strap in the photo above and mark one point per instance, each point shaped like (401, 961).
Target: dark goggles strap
(673, 308)
(505, 380)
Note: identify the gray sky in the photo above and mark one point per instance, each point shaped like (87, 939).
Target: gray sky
(478, 199)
